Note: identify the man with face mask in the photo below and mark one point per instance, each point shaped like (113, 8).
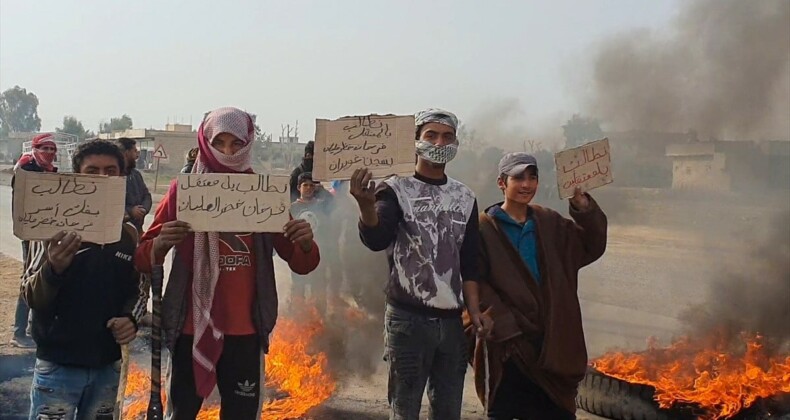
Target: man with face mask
(428, 223)
(305, 166)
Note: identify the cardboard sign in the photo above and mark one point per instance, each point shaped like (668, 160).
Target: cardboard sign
(587, 166)
(233, 202)
(382, 143)
(47, 203)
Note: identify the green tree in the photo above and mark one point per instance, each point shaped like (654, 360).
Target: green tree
(122, 123)
(18, 111)
(74, 127)
(579, 130)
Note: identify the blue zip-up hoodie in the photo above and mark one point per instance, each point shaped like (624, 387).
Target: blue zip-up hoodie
(522, 236)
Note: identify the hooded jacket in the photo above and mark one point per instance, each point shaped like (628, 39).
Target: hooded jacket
(537, 325)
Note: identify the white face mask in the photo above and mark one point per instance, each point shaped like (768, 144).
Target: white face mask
(436, 154)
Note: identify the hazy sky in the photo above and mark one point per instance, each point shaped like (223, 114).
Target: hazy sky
(301, 60)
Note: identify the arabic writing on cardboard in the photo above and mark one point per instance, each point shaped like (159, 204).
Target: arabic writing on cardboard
(587, 166)
(382, 143)
(233, 202)
(47, 203)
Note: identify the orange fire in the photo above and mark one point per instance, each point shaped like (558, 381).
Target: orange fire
(291, 368)
(720, 377)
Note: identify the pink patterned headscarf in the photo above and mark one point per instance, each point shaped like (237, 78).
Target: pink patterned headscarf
(224, 120)
(208, 342)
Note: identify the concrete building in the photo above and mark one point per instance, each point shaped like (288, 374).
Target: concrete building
(175, 140)
(697, 166)
(719, 166)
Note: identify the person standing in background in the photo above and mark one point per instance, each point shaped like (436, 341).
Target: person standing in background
(305, 166)
(138, 198)
(41, 158)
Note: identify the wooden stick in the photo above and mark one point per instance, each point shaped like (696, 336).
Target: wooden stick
(487, 373)
(119, 398)
(155, 410)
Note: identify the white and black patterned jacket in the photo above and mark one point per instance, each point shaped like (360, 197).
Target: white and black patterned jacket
(430, 231)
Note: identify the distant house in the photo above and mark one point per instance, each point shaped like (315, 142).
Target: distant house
(730, 165)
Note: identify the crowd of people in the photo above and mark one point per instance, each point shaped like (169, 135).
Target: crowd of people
(495, 290)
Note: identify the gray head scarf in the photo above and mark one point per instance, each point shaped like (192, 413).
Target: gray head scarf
(427, 150)
(436, 115)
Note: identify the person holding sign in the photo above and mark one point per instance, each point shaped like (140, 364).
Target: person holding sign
(40, 159)
(530, 259)
(220, 304)
(428, 224)
(86, 301)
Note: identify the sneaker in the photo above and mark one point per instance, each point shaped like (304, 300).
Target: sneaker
(23, 342)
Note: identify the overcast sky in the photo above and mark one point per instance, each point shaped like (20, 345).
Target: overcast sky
(301, 60)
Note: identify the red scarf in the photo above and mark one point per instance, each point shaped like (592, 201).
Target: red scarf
(43, 159)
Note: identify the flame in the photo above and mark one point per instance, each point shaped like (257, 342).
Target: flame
(291, 368)
(719, 376)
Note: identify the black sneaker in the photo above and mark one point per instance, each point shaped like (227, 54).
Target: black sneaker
(23, 342)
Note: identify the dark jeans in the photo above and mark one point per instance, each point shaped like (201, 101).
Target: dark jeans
(240, 380)
(517, 397)
(420, 350)
(22, 310)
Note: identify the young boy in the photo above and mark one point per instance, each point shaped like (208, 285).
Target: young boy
(313, 205)
(530, 261)
(86, 301)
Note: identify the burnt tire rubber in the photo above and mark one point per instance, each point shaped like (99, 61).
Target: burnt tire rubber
(613, 398)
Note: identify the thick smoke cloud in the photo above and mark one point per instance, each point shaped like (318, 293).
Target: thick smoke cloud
(753, 297)
(723, 70)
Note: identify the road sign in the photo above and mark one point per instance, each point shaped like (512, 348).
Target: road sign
(159, 152)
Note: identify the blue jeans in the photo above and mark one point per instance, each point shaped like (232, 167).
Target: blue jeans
(60, 391)
(424, 350)
(22, 310)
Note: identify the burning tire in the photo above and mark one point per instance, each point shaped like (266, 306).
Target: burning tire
(616, 399)
(620, 400)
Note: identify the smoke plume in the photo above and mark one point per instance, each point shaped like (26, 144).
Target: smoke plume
(723, 70)
(754, 297)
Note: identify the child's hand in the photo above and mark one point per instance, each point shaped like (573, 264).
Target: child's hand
(580, 201)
